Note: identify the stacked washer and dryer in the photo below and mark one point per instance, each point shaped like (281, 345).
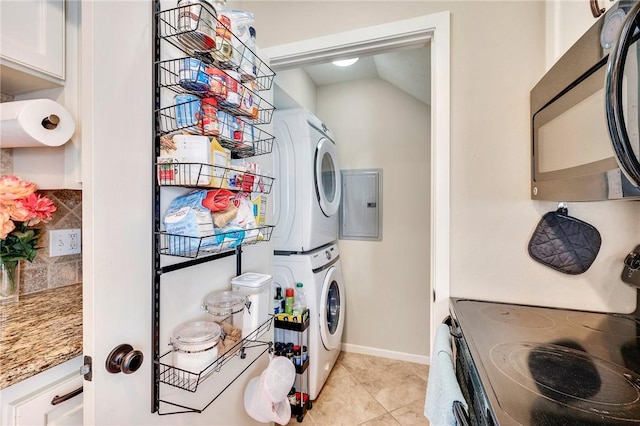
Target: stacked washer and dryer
(307, 199)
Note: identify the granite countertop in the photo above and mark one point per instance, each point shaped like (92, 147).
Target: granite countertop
(40, 331)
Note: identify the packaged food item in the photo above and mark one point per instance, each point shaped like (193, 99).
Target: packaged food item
(239, 21)
(192, 75)
(166, 171)
(221, 158)
(189, 155)
(218, 200)
(248, 63)
(217, 83)
(196, 24)
(188, 108)
(231, 127)
(234, 90)
(245, 218)
(223, 49)
(209, 122)
(249, 138)
(186, 217)
(249, 102)
(236, 175)
(260, 209)
(229, 236)
(222, 218)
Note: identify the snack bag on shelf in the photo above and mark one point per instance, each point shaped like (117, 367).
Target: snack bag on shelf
(187, 217)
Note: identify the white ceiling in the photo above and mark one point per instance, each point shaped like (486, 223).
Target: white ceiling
(407, 69)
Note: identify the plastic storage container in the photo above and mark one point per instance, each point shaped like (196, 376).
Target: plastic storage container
(257, 288)
(194, 345)
(226, 306)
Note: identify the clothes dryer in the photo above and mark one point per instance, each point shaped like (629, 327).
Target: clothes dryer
(308, 183)
(321, 274)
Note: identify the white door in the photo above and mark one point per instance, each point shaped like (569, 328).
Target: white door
(117, 156)
(332, 305)
(327, 177)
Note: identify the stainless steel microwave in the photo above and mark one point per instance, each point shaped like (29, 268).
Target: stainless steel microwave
(584, 115)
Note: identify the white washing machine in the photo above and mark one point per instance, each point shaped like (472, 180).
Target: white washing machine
(321, 274)
(308, 183)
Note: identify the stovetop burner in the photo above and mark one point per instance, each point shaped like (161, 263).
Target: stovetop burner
(554, 366)
(564, 373)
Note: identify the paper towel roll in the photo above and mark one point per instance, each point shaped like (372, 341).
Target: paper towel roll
(36, 122)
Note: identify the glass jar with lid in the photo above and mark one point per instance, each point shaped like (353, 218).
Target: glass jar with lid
(194, 345)
(226, 306)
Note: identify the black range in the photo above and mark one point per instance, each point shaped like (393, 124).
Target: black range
(526, 365)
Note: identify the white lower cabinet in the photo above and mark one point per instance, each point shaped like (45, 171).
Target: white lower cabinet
(31, 402)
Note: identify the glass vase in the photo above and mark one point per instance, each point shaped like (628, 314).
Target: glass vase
(9, 281)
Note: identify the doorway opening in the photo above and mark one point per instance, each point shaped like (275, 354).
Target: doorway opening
(433, 30)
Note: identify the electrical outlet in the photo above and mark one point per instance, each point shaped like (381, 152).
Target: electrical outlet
(63, 242)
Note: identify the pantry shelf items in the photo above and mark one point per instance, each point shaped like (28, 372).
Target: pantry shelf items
(195, 247)
(189, 174)
(201, 31)
(207, 129)
(190, 380)
(195, 76)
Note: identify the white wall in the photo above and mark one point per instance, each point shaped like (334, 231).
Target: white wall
(497, 56)
(295, 88)
(387, 282)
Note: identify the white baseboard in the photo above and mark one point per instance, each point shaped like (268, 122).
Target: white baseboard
(384, 353)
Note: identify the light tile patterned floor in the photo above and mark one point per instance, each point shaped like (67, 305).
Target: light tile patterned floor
(370, 391)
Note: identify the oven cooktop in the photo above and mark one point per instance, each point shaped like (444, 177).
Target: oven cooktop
(546, 366)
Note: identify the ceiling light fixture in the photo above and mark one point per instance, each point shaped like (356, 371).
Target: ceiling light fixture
(345, 62)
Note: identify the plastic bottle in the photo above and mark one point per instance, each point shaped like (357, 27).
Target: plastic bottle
(289, 301)
(278, 302)
(300, 303)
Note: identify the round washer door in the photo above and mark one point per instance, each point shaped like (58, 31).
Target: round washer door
(332, 306)
(327, 177)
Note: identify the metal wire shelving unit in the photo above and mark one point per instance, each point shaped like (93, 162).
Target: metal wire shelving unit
(248, 141)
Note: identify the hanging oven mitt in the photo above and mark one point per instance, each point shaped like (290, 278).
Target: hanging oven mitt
(564, 243)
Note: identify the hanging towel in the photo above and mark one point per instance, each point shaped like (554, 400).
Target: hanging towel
(442, 386)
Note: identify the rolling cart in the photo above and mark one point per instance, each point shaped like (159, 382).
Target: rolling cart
(291, 340)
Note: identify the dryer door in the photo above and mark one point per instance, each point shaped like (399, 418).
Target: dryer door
(327, 177)
(332, 306)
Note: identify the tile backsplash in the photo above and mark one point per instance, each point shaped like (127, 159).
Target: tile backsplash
(47, 272)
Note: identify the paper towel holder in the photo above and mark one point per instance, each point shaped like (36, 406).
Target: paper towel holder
(51, 122)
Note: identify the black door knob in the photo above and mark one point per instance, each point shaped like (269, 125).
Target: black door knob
(123, 358)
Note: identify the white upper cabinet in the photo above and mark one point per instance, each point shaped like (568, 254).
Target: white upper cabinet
(566, 21)
(48, 167)
(32, 45)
